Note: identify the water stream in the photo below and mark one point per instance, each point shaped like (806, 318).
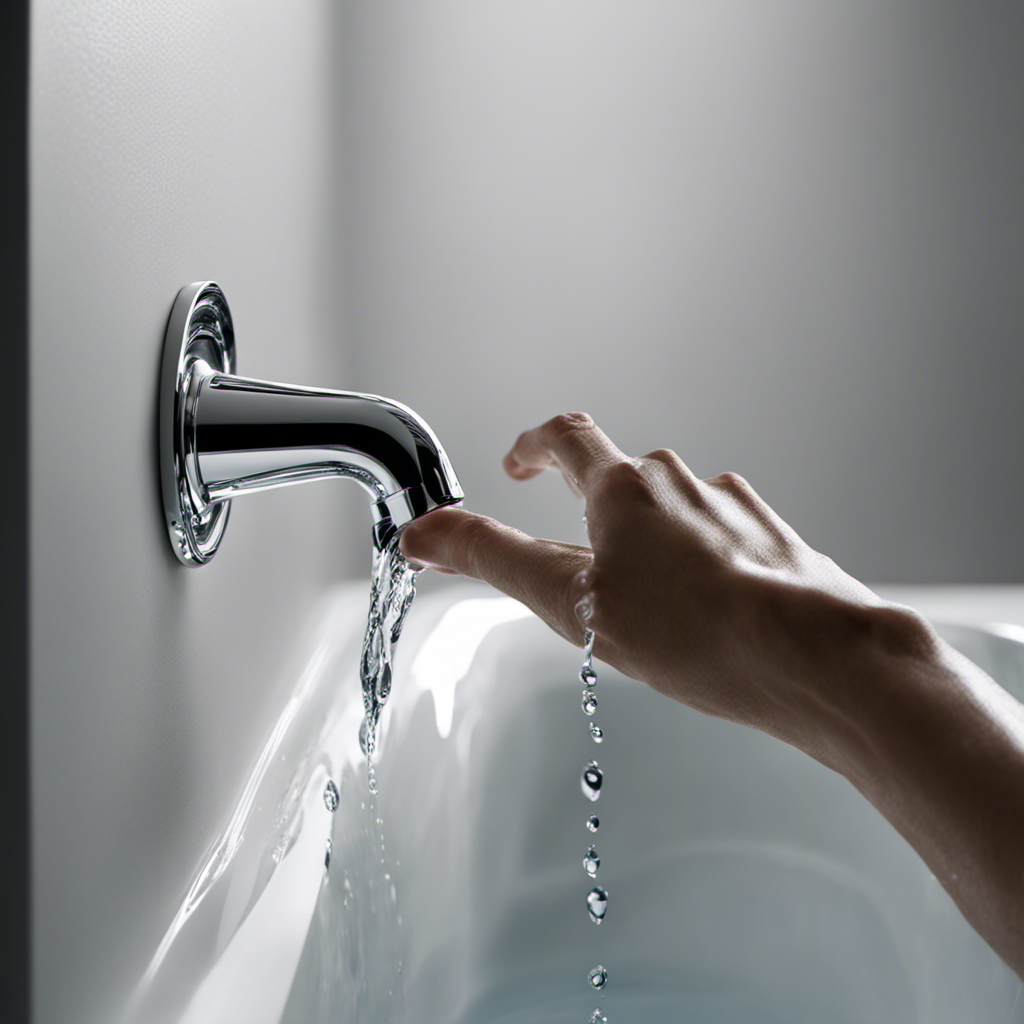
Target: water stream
(591, 782)
(392, 588)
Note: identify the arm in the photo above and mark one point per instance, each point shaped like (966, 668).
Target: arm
(700, 590)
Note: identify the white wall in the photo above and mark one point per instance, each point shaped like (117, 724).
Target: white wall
(782, 238)
(169, 142)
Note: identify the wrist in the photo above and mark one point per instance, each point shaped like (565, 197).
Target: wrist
(848, 663)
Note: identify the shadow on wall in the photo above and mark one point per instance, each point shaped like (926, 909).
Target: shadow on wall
(780, 239)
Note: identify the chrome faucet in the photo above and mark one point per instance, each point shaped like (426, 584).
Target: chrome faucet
(222, 435)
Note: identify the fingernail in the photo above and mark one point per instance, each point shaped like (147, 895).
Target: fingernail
(585, 608)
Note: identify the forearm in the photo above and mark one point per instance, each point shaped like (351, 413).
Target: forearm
(938, 748)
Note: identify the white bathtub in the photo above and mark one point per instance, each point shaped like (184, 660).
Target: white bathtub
(746, 882)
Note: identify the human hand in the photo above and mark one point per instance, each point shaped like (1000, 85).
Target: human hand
(694, 586)
(698, 588)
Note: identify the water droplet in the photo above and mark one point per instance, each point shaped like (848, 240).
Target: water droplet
(598, 977)
(597, 904)
(596, 733)
(591, 862)
(591, 781)
(384, 683)
(588, 646)
(588, 677)
(589, 702)
(327, 857)
(593, 823)
(597, 1017)
(371, 780)
(331, 796)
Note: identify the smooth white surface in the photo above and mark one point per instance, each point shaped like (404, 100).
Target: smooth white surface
(746, 881)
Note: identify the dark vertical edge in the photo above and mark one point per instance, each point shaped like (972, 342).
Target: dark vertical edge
(14, 454)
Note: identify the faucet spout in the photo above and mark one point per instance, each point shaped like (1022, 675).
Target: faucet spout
(251, 435)
(223, 436)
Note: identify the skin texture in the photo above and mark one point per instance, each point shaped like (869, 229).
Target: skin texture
(699, 589)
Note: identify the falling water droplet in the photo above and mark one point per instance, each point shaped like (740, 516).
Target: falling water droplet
(588, 677)
(593, 823)
(371, 780)
(598, 977)
(327, 859)
(591, 862)
(591, 781)
(383, 683)
(588, 646)
(589, 702)
(331, 796)
(597, 904)
(597, 1017)
(596, 733)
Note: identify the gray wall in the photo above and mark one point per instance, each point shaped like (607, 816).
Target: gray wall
(169, 142)
(782, 238)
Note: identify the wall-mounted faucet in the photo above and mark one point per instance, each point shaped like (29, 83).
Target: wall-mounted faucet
(222, 435)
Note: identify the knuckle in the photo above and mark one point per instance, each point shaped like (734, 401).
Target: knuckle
(733, 482)
(665, 455)
(567, 422)
(622, 485)
(624, 481)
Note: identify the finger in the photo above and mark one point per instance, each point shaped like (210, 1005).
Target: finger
(543, 574)
(571, 442)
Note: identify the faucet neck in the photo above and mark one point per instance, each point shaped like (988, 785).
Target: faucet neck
(250, 435)
(222, 436)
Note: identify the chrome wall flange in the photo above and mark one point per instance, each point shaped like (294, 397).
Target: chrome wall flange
(199, 341)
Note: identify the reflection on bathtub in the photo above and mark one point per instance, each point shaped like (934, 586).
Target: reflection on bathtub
(449, 649)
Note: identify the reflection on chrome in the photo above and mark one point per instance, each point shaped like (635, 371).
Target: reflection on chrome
(222, 435)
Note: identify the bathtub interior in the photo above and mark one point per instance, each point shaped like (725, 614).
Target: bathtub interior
(746, 881)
